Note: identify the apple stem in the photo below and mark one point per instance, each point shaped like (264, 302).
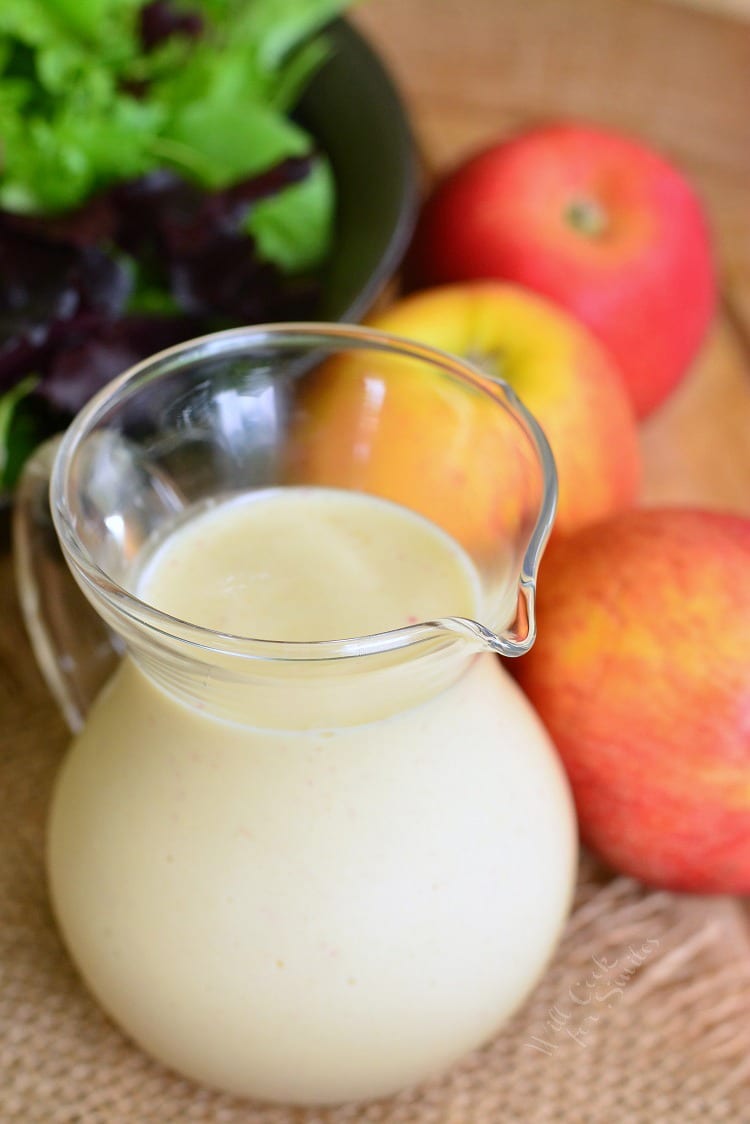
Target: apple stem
(587, 216)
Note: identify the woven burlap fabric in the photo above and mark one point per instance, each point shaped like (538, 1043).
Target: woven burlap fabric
(643, 1017)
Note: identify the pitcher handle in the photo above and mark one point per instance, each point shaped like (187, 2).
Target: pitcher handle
(74, 649)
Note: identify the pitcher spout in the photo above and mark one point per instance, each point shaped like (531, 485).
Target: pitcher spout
(514, 640)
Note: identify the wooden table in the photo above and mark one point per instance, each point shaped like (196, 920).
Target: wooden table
(472, 70)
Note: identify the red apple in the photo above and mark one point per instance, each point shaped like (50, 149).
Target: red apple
(595, 221)
(446, 454)
(641, 673)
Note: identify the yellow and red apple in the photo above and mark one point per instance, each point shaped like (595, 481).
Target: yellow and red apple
(641, 673)
(378, 424)
(598, 223)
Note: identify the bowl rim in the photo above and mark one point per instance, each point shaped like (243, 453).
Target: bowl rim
(392, 253)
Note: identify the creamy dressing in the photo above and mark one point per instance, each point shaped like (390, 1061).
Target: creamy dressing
(324, 913)
(309, 564)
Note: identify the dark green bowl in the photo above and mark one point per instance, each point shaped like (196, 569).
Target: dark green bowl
(353, 110)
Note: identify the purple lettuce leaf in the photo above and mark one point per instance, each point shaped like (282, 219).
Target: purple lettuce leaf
(66, 283)
(160, 20)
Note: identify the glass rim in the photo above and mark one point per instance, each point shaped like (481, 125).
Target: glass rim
(232, 342)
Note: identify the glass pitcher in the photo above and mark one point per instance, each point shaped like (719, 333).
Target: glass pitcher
(314, 870)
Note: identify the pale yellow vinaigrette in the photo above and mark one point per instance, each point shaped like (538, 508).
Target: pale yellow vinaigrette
(309, 564)
(314, 914)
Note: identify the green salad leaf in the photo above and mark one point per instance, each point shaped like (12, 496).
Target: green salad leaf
(84, 105)
(295, 227)
(95, 93)
(18, 431)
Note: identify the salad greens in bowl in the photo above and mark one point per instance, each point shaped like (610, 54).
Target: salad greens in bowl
(172, 167)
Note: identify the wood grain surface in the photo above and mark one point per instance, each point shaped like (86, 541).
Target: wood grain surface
(472, 70)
